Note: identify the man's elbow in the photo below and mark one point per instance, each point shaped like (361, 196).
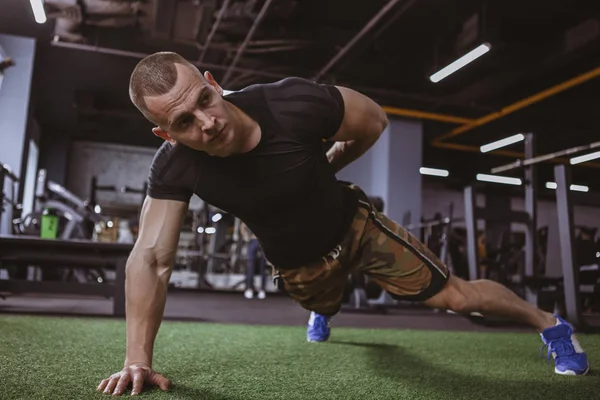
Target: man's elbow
(384, 121)
(381, 122)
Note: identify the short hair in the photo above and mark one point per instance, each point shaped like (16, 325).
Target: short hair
(155, 75)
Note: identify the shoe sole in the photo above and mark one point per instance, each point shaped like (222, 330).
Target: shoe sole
(572, 373)
(316, 341)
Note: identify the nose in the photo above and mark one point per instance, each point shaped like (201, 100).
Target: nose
(207, 123)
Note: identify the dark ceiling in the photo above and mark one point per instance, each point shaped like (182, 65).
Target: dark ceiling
(385, 49)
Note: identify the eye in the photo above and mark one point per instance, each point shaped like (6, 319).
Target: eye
(185, 122)
(205, 98)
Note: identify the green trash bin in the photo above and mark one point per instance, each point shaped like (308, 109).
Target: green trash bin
(49, 229)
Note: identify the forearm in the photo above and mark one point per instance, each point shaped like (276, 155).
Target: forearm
(343, 153)
(146, 292)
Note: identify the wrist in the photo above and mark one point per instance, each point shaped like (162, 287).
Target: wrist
(137, 363)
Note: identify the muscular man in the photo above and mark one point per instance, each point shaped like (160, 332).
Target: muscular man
(257, 154)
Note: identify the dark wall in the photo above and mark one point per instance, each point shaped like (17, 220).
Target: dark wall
(62, 79)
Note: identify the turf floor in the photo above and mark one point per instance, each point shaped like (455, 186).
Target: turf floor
(65, 358)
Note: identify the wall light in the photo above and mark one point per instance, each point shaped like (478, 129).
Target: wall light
(502, 143)
(434, 172)
(499, 179)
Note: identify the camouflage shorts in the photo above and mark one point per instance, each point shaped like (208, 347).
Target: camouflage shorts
(377, 247)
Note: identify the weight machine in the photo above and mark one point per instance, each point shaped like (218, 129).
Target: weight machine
(73, 213)
(95, 188)
(52, 196)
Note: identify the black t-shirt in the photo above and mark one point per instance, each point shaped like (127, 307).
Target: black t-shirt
(284, 189)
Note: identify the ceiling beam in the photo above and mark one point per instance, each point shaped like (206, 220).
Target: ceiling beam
(213, 30)
(344, 50)
(242, 48)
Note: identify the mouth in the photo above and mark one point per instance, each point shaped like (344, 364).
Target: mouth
(217, 137)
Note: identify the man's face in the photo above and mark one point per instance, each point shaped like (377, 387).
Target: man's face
(194, 114)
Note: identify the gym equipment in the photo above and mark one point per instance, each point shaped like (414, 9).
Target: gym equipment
(95, 188)
(22, 251)
(562, 174)
(59, 214)
(72, 212)
(436, 233)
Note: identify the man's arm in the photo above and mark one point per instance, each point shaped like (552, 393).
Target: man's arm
(364, 122)
(147, 275)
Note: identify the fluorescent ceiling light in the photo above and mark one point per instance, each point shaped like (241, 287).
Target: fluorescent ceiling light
(461, 62)
(38, 11)
(498, 179)
(575, 188)
(502, 143)
(580, 188)
(585, 158)
(433, 172)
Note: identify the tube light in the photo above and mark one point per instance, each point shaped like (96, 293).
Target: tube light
(502, 143)
(580, 188)
(433, 172)
(461, 62)
(584, 158)
(499, 179)
(38, 11)
(575, 188)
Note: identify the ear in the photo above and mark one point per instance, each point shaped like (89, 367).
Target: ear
(211, 80)
(163, 134)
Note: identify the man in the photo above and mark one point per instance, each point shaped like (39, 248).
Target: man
(255, 258)
(257, 154)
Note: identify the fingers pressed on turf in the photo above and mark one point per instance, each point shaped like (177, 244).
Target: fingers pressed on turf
(121, 385)
(111, 385)
(138, 382)
(102, 384)
(164, 384)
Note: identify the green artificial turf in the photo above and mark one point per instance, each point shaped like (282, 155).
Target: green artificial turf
(65, 358)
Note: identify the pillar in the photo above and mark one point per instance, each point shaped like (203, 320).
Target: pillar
(390, 169)
(14, 108)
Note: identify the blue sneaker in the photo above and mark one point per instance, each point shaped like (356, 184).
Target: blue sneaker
(569, 357)
(318, 328)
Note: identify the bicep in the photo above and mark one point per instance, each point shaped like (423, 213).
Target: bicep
(363, 117)
(160, 225)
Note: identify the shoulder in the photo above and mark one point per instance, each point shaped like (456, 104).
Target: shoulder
(162, 161)
(301, 89)
(312, 110)
(288, 89)
(170, 173)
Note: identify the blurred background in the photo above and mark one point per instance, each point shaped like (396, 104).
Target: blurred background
(80, 152)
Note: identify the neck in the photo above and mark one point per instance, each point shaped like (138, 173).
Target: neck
(250, 132)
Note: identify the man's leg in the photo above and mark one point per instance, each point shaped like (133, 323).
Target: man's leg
(250, 268)
(262, 265)
(408, 270)
(489, 298)
(318, 288)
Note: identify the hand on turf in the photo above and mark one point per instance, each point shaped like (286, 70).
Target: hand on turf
(137, 375)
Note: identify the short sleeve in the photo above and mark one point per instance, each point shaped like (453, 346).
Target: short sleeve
(310, 110)
(163, 181)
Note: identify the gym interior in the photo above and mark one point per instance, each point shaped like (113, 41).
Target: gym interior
(491, 158)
